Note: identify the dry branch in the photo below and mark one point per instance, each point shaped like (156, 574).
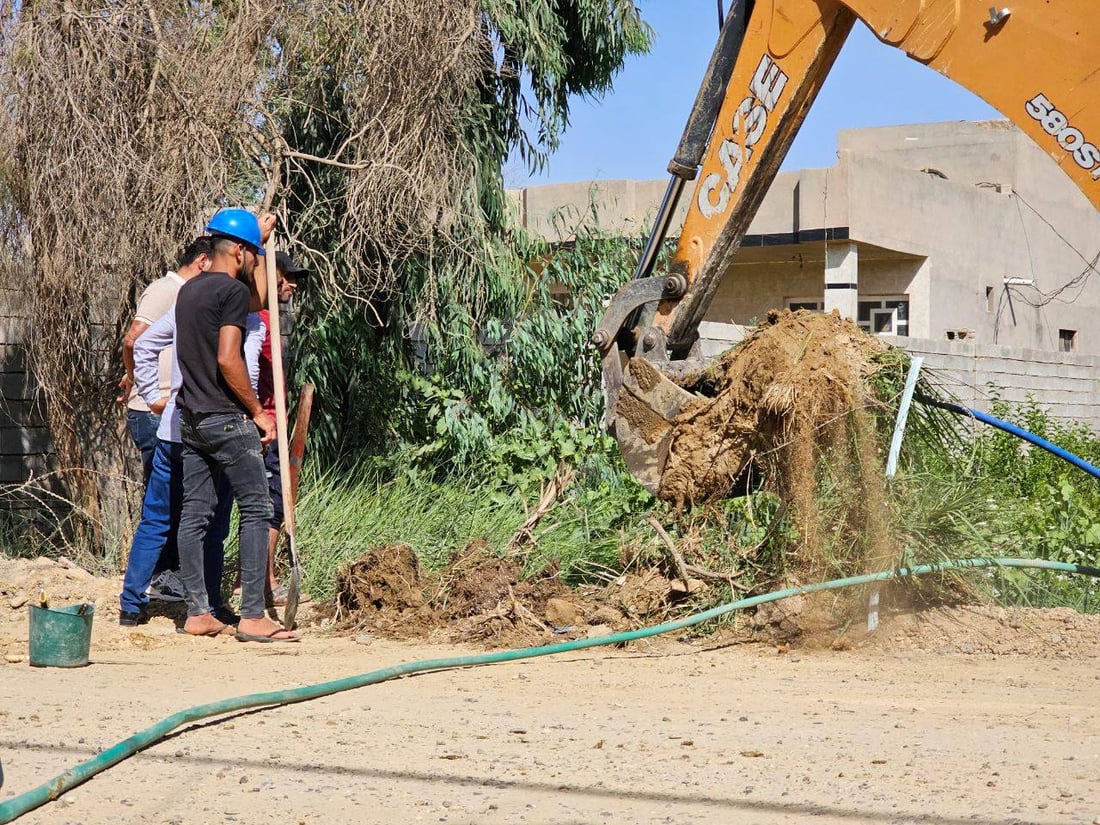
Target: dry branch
(684, 571)
(551, 492)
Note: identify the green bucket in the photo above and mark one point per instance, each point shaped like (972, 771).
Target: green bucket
(61, 636)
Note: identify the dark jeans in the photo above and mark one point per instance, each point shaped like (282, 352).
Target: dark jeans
(274, 484)
(229, 444)
(155, 537)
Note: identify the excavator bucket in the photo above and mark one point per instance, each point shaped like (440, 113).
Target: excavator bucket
(647, 406)
(1032, 60)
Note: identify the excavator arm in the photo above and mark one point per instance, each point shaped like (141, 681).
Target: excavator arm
(1037, 62)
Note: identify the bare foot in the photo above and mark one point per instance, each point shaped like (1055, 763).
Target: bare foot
(204, 625)
(263, 629)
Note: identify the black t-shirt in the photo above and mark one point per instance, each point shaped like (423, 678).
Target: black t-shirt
(205, 304)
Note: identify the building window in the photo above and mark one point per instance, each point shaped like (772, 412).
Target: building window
(808, 303)
(885, 316)
(1067, 340)
(989, 299)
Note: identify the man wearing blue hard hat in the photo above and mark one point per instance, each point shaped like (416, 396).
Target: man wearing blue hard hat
(223, 425)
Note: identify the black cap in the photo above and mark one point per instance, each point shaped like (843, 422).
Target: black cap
(287, 266)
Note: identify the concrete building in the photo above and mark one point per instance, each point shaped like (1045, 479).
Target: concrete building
(963, 240)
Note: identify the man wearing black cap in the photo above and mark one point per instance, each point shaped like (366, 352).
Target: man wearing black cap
(291, 276)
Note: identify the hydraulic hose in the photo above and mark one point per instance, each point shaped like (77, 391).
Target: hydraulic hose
(1019, 432)
(19, 805)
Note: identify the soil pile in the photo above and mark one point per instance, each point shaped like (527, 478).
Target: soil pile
(475, 597)
(794, 381)
(989, 630)
(22, 581)
(479, 597)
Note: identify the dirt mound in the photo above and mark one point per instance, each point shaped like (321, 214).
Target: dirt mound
(477, 596)
(484, 598)
(22, 581)
(66, 583)
(381, 586)
(988, 630)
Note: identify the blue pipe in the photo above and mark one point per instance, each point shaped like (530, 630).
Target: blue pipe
(986, 418)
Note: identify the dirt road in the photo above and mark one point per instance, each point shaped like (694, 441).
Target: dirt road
(896, 731)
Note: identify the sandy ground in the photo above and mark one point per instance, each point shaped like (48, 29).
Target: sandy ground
(966, 716)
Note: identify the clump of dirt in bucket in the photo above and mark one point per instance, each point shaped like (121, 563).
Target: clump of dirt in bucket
(795, 400)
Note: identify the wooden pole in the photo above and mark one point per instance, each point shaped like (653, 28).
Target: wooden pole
(279, 379)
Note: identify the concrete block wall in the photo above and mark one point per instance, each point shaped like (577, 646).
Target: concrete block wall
(26, 448)
(1066, 384)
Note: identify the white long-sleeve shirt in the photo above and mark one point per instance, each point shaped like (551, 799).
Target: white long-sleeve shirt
(161, 335)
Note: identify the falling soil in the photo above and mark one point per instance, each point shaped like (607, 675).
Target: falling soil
(795, 401)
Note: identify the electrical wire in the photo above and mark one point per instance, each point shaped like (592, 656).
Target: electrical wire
(1079, 280)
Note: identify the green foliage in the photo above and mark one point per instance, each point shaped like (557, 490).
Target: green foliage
(433, 330)
(565, 48)
(512, 395)
(1033, 503)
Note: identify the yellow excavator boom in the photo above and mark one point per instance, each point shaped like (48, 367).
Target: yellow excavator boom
(1035, 61)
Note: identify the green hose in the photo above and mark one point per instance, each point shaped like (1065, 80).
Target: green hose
(19, 805)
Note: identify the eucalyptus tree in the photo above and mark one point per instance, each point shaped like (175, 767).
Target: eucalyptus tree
(377, 130)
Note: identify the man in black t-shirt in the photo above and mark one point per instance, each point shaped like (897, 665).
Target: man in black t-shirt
(223, 426)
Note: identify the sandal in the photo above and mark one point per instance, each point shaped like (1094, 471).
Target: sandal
(270, 637)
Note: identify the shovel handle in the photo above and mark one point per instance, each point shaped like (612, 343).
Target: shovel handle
(279, 380)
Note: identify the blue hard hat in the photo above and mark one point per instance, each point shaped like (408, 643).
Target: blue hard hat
(238, 224)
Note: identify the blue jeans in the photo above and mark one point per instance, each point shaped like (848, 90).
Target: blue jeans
(156, 533)
(228, 444)
(143, 432)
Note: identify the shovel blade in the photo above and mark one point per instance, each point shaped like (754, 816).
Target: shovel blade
(293, 589)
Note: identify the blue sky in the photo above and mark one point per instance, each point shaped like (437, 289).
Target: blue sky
(633, 132)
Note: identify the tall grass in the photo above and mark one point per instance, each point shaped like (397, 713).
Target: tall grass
(342, 515)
